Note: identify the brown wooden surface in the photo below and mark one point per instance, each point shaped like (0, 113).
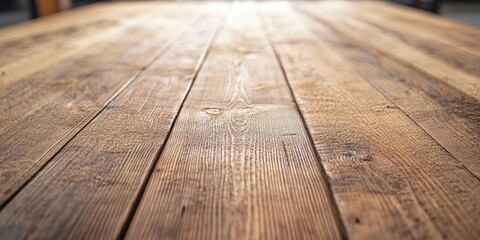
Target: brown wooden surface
(378, 159)
(212, 120)
(75, 89)
(238, 163)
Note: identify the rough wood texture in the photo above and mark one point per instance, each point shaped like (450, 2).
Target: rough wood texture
(27, 40)
(238, 154)
(309, 120)
(91, 186)
(397, 47)
(110, 41)
(422, 23)
(44, 110)
(449, 115)
(388, 176)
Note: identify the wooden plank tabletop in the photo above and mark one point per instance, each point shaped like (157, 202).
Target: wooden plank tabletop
(243, 120)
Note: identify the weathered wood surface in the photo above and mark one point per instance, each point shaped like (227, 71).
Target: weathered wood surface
(403, 70)
(387, 174)
(102, 170)
(44, 110)
(425, 24)
(275, 120)
(238, 163)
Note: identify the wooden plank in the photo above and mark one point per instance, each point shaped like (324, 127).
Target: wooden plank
(446, 113)
(453, 55)
(96, 20)
(44, 111)
(89, 189)
(23, 97)
(390, 179)
(20, 97)
(426, 24)
(238, 163)
(16, 70)
(395, 46)
(58, 21)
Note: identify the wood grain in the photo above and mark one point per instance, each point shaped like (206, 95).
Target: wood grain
(109, 41)
(93, 21)
(395, 46)
(89, 189)
(44, 111)
(426, 24)
(310, 120)
(449, 115)
(238, 163)
(453, 55)
(57, 22)
(388, 176)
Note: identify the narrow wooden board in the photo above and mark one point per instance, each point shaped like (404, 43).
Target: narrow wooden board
(449, 115)
(44, 111)
(394, 45)
(238, 163)
(90, 188)
(390, 179)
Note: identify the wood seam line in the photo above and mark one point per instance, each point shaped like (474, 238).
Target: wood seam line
(362, 75)
(339, 219)
(138, 198)
(95, 115)
(394, 58)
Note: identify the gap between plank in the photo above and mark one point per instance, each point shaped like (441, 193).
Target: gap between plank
(95, 115)
(399, 61)
(138, 198)
(339, 219)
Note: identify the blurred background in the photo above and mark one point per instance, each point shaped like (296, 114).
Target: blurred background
(15, 11)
